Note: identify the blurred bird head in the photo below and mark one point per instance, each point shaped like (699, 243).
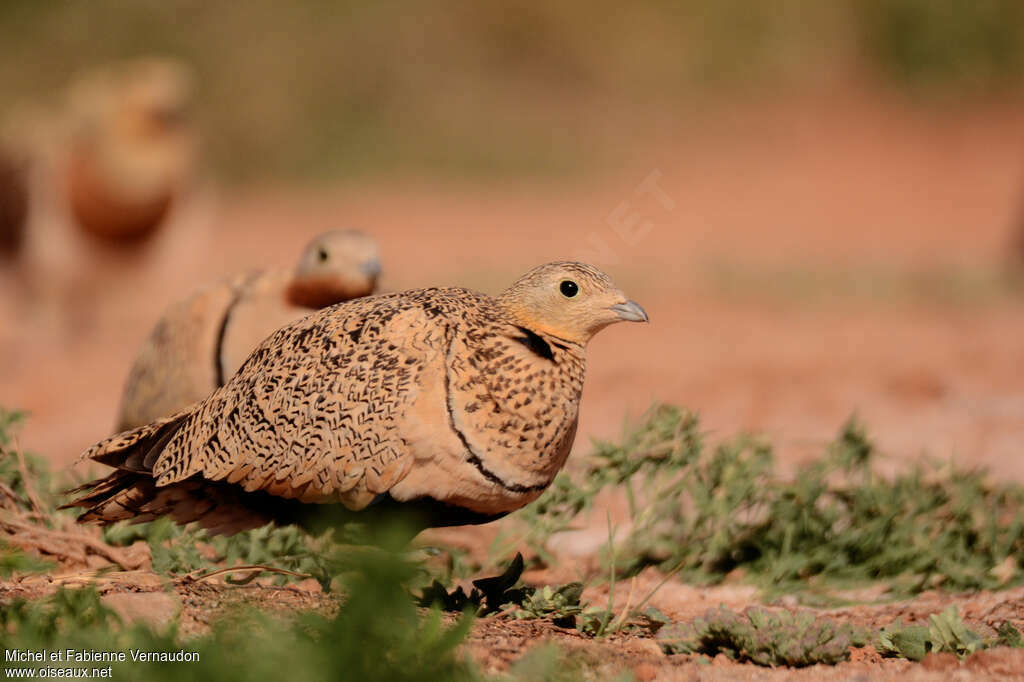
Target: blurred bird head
(140, 99)
(131, 146)
(569, 301)
(336, 266)
(133, 120)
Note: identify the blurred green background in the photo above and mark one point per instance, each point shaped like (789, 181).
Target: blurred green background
(313, 89)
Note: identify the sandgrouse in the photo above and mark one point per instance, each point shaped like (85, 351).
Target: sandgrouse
(14, 203)
(448, 404)
(201, 342)
(130, 149)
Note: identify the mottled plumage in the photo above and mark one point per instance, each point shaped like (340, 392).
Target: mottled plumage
(200, 342)
(456, 404)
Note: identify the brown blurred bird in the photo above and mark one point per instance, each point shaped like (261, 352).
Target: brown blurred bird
(445, 405)
(130, 148)
(14, 202)
(201, 341)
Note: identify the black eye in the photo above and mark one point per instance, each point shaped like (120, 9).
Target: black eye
(321, 254)
(569, 288)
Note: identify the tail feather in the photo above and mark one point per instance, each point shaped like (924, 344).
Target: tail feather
(135, 497)
(130, 493)
(98, 490)
(130, 450)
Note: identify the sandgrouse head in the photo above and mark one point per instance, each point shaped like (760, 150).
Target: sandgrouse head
(569, 301)
(336, 266)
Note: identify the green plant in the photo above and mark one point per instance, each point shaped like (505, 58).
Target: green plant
(548, 663)
(377, 633)
(25, 477)
(487, 596)
(504, 594)
(945, 632)
(560, 604)
(763, 637)
(67, 610)
(707, 513)
(14, 560)
(9, 420)
(176, 550)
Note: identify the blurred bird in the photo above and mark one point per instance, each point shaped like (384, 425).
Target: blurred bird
(200, 342)
(444, 405)
(14, 202)
(130, 147)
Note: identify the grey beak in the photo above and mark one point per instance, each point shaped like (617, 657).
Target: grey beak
(370, 268)
(630, 311)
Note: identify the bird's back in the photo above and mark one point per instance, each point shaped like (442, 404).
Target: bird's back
(178, 363)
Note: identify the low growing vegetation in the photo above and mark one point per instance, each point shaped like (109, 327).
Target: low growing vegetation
(762, 637)
(697, 514)
(706, 513)
(377, 634)
(800, 639)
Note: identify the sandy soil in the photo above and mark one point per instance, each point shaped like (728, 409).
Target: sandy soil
(799, 261)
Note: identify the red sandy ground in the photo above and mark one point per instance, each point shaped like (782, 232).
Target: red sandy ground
(833, 194)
